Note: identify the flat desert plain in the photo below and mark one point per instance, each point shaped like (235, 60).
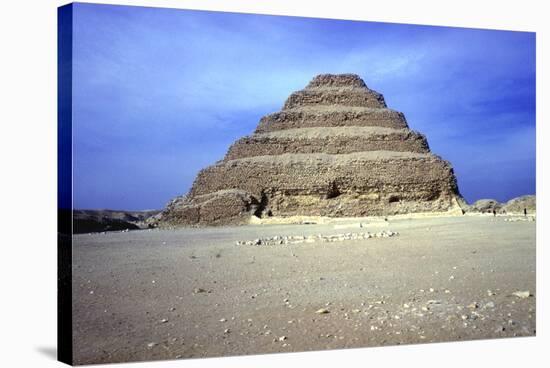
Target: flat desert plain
(191, 293)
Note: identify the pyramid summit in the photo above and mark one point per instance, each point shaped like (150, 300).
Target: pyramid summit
(335, 149)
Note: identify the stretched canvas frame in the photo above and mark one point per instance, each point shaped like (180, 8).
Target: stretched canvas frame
(66, 221)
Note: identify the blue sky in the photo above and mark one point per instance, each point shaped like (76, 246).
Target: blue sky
(159, 94)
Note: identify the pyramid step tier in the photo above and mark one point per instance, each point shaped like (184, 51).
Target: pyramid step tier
(314, 174)
(329, 116)
(359, 184)
(345, 96)
(336, 80)
(330, 140)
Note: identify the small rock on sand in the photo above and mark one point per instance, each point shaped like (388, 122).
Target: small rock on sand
(522, 294)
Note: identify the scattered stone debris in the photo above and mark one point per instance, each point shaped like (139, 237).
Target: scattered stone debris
(297, 239)
(282, 338)
(151, 345)
(522, 294)
(322, 311)
(198, 290)
(515, 219)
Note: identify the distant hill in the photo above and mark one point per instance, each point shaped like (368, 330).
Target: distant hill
(513, 206)
(92, 221)
(517, 205)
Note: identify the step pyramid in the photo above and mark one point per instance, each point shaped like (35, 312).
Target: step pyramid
(335, 149)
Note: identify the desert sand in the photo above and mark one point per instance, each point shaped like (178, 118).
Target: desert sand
(190, 293)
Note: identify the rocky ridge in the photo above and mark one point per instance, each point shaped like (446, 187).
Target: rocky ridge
(95, 221)
(513, 206)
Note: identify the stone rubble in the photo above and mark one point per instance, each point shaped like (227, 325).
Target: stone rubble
(298, 239)
(516, 219)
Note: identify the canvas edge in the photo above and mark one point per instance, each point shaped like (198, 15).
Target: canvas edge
(64, 184)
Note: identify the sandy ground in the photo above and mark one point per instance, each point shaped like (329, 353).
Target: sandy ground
(190, 293)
